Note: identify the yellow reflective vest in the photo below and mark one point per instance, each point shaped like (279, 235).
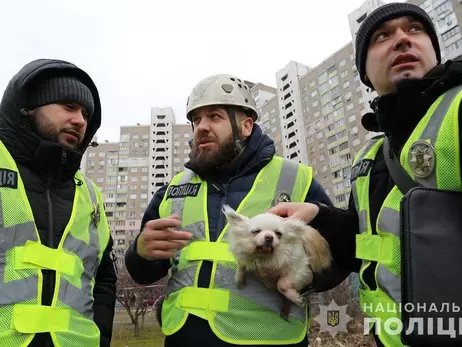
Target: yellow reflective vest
(69, 319)
(430, 157)
(250, 315)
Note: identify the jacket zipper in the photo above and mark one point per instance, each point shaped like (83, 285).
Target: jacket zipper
(49, 277)
(220, 224)
(48, 283)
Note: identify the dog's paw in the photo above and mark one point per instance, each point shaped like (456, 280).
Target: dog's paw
(300, 301)
(239, 279)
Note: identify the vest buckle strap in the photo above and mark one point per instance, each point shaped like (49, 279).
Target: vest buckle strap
(31, 319)
(216, 300)
(38, 256)
(212, 251)
(374, 248)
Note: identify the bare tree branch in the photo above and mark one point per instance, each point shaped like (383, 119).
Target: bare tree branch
(137, 298)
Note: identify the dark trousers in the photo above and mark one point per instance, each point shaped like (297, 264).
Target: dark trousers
(197, 333)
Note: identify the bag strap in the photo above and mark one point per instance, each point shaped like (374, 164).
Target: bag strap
(397, 172)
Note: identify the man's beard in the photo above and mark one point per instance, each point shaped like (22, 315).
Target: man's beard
(212, 159)
(40, 124)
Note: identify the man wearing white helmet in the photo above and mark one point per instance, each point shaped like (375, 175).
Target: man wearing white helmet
(232, 162)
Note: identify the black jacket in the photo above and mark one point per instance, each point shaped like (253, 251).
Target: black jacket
(396, 115)
(48, 171)
(226, 186)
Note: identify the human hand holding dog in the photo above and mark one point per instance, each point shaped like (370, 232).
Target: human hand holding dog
(300, 210)
(158, 240)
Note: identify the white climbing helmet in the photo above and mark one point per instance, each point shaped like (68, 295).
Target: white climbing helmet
(221, 90)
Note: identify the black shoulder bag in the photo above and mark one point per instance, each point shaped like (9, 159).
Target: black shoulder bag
(431, 261)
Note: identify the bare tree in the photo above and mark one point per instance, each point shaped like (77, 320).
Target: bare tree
(137, 298)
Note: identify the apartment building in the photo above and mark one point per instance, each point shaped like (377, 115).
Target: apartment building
(321, 107)
(121, 171)
(182, 134)
(332, 106)
(290, 111)
(447, 16)
(268, 111)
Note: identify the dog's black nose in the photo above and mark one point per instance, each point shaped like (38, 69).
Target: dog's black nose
(268, 238)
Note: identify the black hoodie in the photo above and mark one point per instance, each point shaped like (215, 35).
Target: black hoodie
(396, 115)
(48, 171)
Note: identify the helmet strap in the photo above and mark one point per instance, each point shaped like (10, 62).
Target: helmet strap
(238, 145)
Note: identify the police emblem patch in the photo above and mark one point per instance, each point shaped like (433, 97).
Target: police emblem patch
(422, 158)
(281, 196)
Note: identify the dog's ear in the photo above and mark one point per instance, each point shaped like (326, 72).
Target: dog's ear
(293, 228)
(233, 217)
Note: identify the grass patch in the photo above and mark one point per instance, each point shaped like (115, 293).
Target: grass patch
(149, 336)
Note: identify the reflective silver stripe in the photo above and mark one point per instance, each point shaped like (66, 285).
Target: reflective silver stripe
(363, 152)
(15, 236)
(177, 203)
(389, 221)
(288, 176)
(185, 277)
(180, 279)
(389, 282)
(197, 229)
(431, 130)
(256, 291)
(362, 215)
(81, 299)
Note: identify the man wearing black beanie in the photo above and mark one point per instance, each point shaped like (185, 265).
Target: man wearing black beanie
(402, 230)
(57, 283)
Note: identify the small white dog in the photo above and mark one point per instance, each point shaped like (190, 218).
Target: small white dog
(283, 252)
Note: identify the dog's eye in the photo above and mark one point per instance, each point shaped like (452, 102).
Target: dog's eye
(278, 233)
(256, 231)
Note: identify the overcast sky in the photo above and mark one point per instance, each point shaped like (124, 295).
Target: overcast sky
(144, 53)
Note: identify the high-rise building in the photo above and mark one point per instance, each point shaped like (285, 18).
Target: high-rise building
(268, 112)
(160, 149)
(447, 16)
(182, 134)
(355, 19)
(290, 111)
(121, 171)
(130, 171)
(332, 104)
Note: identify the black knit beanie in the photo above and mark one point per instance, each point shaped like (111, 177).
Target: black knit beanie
(62, 89)
(380, 16)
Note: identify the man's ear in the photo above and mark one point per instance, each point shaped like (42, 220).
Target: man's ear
(247, 126)
(233, 217)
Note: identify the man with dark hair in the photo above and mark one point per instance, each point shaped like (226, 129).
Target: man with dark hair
(400, 231)
(58, 280)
